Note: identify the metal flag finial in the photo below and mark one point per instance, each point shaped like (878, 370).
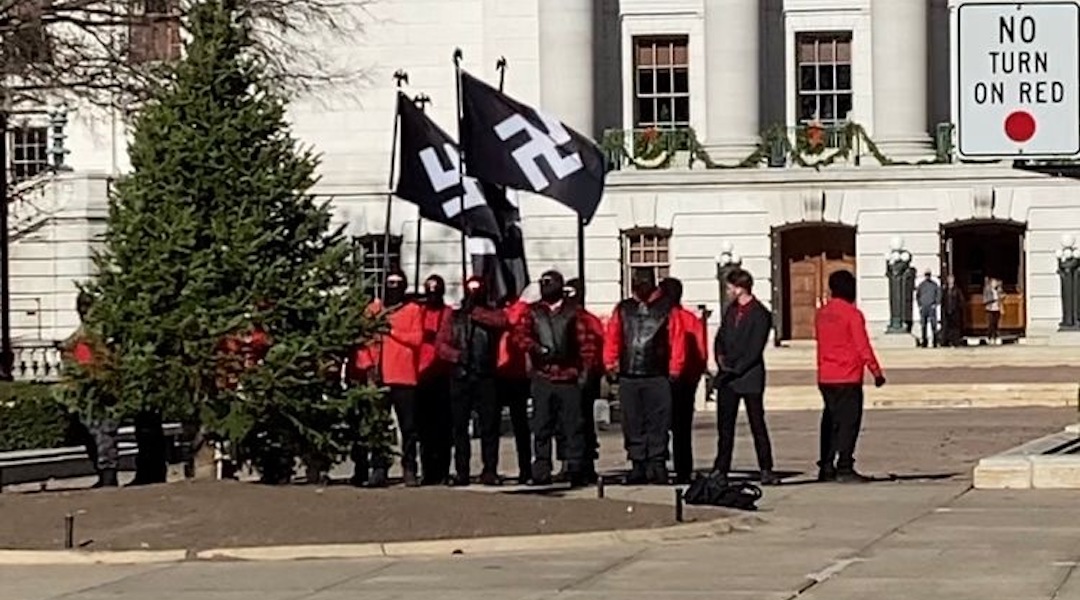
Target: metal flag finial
(458, 56)
(401, 77)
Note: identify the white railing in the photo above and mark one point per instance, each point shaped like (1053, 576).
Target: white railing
(36, 360)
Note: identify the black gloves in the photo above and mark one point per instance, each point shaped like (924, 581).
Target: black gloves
(879, 381)
(540, 354)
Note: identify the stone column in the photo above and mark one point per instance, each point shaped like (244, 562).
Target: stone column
(567, 73)
(901, 77)
(733, 81)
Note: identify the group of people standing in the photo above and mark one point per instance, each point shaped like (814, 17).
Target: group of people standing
(441, 364)
(952, 302)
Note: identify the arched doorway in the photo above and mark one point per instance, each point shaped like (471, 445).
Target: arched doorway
(803, 257)
(977, 249)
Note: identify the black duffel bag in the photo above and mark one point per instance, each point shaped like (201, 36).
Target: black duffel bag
(714, 491)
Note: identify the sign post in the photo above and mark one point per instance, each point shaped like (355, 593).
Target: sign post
(1017, 79)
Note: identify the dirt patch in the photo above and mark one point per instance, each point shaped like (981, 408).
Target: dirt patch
(201, 515)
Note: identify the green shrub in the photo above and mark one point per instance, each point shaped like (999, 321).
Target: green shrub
(31, 417)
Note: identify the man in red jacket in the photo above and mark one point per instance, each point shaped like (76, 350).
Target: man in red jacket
(843, 354)
(590, 393)
(645, 348)
(390, 360)
(684, 389)
(433, 387)
(512, 383)
(557, 338)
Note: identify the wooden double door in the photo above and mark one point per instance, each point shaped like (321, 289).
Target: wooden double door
(808, 288)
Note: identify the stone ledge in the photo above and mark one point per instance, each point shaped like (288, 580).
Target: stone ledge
(989, 395)
(1028, 467)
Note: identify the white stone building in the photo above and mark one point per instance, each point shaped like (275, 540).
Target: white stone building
(728, 69)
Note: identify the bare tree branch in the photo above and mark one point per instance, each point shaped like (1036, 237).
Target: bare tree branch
(111, 52)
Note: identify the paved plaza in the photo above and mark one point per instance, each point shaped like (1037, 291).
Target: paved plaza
(915, 538)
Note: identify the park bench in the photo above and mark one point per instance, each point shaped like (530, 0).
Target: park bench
(43, 464)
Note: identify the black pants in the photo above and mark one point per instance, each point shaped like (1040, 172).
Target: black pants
(682, 426)
(994, 319)
(466, 395)
(514, 394)
(728, 412)
(840, 423)
(99, 437)
(152, 456)
(557, 409)
(589, 394)
(436, 428)
(646, 417)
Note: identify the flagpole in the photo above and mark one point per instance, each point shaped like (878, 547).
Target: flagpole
(581, 255)
(458, 56)
(421, 101)
(401, 78)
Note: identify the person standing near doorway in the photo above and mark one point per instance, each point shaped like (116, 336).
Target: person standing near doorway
(928, 298)
(740, 356)
(992, 301)
(952, 313)
(843, 354)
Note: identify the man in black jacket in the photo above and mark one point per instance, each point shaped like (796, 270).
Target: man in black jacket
(739, 350)
(469, 341)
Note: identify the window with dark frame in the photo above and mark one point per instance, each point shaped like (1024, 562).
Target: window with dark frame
(29, 152)
(823, 78)
(645, 249)
(371, 248)
(154, 32)
(661, 82)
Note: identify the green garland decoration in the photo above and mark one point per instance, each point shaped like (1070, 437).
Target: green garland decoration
(655, 149)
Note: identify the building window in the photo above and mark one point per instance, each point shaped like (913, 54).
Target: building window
(824, 77)
(371, 249)
(661, 82)
(154, 33)
(29, 152)
(645, 249)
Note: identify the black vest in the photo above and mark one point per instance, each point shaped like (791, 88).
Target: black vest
(646, 349)
(557, 331)
(479, 346)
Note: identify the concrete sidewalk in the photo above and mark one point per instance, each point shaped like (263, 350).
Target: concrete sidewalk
(907, 540)
(882, 541)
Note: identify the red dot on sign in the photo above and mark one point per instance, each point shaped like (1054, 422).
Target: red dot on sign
(1020, 126)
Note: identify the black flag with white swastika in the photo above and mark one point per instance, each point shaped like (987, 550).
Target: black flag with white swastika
(502, 263)
(512, 144)
(430, 178)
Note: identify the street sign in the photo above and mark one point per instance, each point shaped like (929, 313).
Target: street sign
(1018, 79)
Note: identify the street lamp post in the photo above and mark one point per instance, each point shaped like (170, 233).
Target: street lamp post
(727, 261)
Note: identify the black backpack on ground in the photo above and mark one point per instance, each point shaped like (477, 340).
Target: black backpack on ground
(711, 491)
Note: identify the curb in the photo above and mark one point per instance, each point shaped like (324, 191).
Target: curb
(428, 548)
(988, 395)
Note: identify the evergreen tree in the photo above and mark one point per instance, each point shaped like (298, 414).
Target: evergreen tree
(214, 235)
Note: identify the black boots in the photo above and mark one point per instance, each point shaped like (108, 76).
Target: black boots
(378, 479)
(769, 478)
(657, 473)
(638, 474)
(106, 479)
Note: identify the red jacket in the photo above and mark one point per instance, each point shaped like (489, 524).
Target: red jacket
(431, 321)
(512, 363)
(596, 326)
(394, 355)
(843, 347)
(697, 347)
(613, 341)
(588, 345)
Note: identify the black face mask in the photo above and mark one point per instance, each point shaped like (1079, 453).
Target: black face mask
(395, 294)
(434, 294)
(643, 289)
(551, 291)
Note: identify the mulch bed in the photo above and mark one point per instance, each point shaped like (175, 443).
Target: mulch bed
(201, 515)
